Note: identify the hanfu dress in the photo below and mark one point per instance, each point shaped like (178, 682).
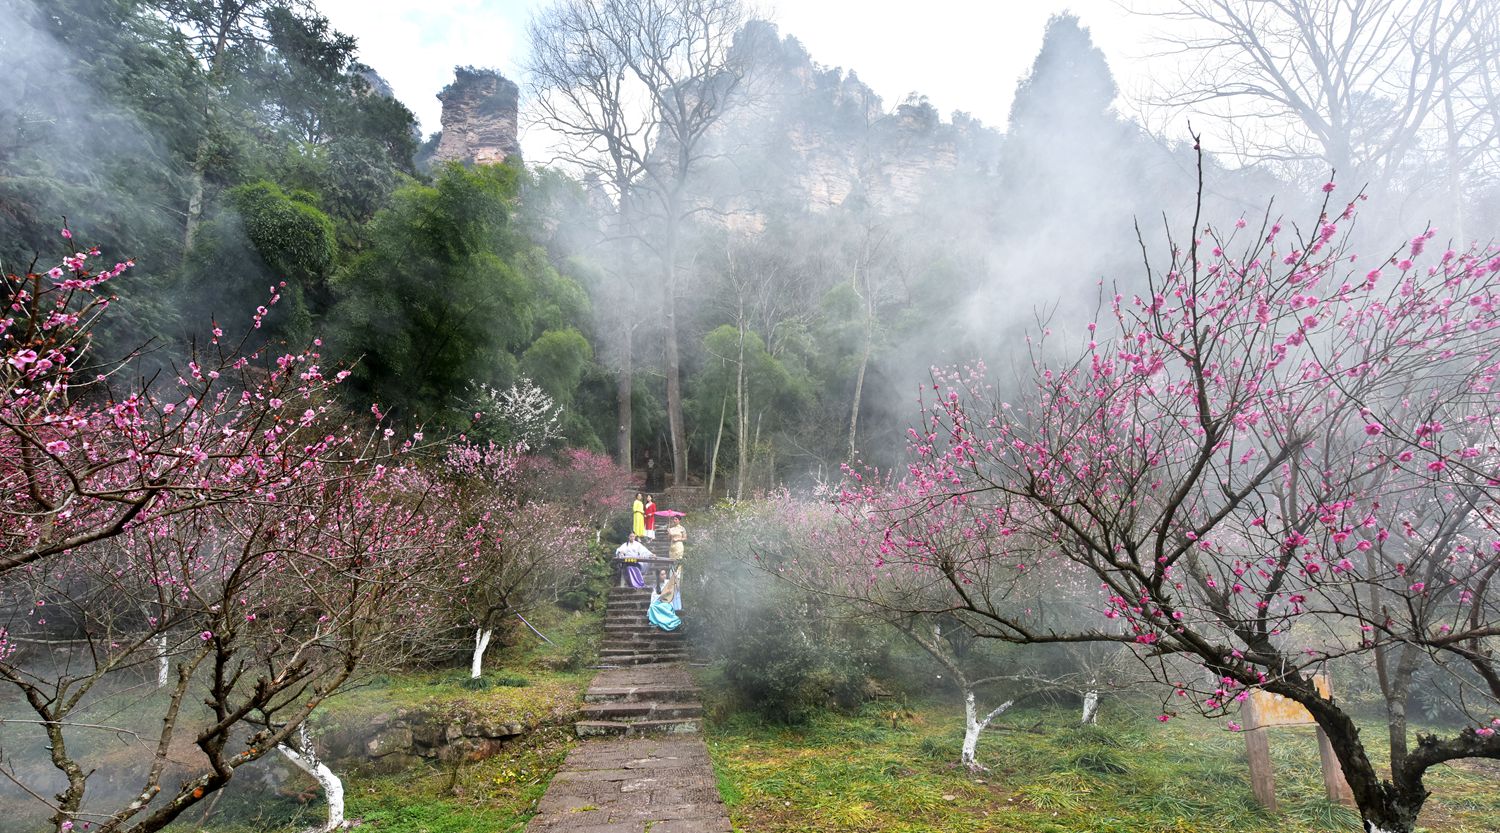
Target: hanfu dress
(677, 535)
(639, 526)
(632, 571)
(651, 520)
(660, 613)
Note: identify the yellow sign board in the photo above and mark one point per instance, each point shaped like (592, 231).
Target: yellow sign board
(1265, 709)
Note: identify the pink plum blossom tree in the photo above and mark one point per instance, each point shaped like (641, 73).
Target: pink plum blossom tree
(229, 523)
(824, 548)
(520, 546)
(1280, 457)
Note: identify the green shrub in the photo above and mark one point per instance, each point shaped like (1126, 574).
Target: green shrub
(784, 674)
(476, 684)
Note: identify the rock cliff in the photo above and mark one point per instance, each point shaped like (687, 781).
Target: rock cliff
(812, 137)
(479, 118)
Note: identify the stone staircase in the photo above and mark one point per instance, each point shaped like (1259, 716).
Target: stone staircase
(645, 687)
(629, 639)
(641, 700)
(645, 766)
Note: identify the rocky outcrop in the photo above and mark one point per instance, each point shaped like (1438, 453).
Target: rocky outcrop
(378, 85)
(480, 110)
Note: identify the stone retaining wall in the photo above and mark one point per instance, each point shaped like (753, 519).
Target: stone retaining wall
(405, 737)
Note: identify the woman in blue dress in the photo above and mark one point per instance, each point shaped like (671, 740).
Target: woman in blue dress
(660, 613)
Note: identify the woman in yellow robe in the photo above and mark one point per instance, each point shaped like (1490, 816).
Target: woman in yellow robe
(639, 510)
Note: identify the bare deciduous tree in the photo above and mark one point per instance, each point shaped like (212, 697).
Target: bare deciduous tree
(634, 89)
(1386, 93)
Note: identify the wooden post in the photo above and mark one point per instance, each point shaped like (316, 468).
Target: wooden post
(1333, 774)
(1262, 778)
(1258, 749)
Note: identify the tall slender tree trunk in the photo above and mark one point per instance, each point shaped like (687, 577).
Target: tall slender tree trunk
(864, 358)
(859, 389)
(742, 419)
(195, 198)
(1455, 176)
(713, 458)
(227, 18)
(624, 394)
(673, 360)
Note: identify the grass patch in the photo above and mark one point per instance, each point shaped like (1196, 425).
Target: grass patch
(528, 680)
(1128, 775)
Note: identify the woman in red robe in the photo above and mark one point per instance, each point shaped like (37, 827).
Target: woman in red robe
(650, 517)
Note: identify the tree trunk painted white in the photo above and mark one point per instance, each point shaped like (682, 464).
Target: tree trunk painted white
(163, 663)
(974, 726)
(1091, 708)
(481, 641)
(333, 788)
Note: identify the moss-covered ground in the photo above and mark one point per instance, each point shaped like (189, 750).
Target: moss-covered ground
(893, 769)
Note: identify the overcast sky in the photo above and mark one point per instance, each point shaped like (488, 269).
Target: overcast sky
(962, 54)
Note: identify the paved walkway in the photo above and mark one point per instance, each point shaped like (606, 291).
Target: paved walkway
(635, 784)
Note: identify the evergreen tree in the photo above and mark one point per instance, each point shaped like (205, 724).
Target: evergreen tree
(451, 292)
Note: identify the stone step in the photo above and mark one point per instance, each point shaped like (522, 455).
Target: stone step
(644, 643)
(610, 728)
(644, 629)
(642, 658)
(629, 593)
(643, 635)
(639, 625)
(641, 649)
(662, 692)
(623, 624)
(628, 613)
(638, 711)
(670, 641)
(631, 622)
(634, 633)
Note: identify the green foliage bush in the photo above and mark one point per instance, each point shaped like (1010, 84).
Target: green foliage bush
(783, 656)
(783, 673)
(291, 234)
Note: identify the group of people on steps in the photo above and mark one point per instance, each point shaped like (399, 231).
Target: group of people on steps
(666, 595)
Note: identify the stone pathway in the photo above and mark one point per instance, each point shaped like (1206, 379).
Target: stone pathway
(656, 779)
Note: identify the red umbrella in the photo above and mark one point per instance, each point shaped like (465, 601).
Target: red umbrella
(669, 513)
